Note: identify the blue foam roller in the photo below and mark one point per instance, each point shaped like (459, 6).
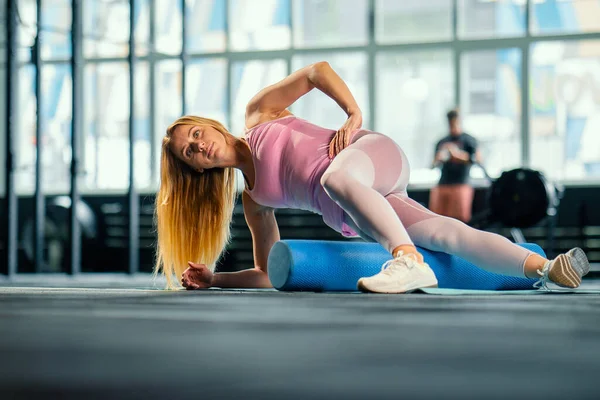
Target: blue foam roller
(313, 265)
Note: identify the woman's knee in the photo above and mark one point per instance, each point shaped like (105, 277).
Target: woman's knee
(448, 234)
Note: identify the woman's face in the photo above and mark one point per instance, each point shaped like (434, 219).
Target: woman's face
(199, 146)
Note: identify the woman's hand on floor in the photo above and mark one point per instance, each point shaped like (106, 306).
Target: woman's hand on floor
(197, 276)
(342, 137)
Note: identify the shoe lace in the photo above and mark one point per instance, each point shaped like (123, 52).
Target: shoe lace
(542, 282)
(402, 260)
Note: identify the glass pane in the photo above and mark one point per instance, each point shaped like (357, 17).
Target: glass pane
(106, 28)
(143, 137)
(56, 29)
(142, 27)
(57, 104)
(564, 16)
(106, 116)
(565, 109)
(27, 27)
(413, 21)
(259, 25)
(322, 110)
(205, 26)
(206, 91)
(485, 19)
(167, 16)
(414, 92)
(321, 23)
(248, 78)
(25, 140)
(168, 101)
(491, 106)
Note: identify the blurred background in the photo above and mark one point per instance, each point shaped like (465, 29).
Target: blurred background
(88, 87)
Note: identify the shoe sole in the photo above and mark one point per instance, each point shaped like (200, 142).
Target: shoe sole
(361, 286)
(568, 269)
(579, 261)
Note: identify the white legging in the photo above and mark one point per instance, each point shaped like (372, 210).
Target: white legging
(368, 180)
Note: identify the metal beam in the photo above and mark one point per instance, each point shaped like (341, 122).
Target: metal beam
(12, 91)
(456, 55)
(76, 132)
(371, 67)
(461, 44)
(228, 86)
(154, 171)
(40, 207)
(184, 57)
(525, 56)
(288, 60)
(134, 202)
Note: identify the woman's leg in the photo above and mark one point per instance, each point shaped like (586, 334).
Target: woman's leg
(358, 180)
(368, 180)
(486, 250)
(489, 251)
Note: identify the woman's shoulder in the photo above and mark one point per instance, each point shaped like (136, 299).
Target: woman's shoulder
(252, 121)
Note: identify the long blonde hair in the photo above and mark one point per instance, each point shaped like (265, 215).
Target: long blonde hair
(193, 210)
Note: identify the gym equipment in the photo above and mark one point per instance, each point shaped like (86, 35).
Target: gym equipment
(56, 232)
(520, 198)
(312, 265)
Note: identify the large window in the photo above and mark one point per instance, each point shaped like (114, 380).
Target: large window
(205, 26)
(564, 16)
(413, 21)
(25, 142)
(413, 91)
(106, 115)
(206, 89)
(328, 23)
(56, 127)
(55, 112)
(259, 25)
(487, 19)
(248, 77)
(565, 108)
(406, 62)
(55, 32)
(106, 28)
(491, 105)
(322, 110)
(167, 27)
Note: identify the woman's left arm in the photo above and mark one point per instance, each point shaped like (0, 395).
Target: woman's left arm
(272, 102)
(274, 99)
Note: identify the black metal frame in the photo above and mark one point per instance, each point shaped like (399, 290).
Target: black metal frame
(152, 68)
(12, 89)
(134, 202)
(40, 206)
(184, 56)
(76, 133)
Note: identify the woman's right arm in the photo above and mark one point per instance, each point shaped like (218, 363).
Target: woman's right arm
(265, 232)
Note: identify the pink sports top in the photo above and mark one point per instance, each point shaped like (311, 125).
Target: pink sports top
(290, 156)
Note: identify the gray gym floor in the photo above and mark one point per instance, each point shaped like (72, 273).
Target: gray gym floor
(119, 340)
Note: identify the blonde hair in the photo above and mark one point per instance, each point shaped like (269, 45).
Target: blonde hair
(193, 210)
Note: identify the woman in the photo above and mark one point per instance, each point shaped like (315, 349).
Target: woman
(356, 179)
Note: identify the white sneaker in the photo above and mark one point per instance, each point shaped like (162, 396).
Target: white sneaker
(565, 270)
(401, 275)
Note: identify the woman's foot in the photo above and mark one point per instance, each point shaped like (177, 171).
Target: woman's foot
(400, 275)
(566, 270)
